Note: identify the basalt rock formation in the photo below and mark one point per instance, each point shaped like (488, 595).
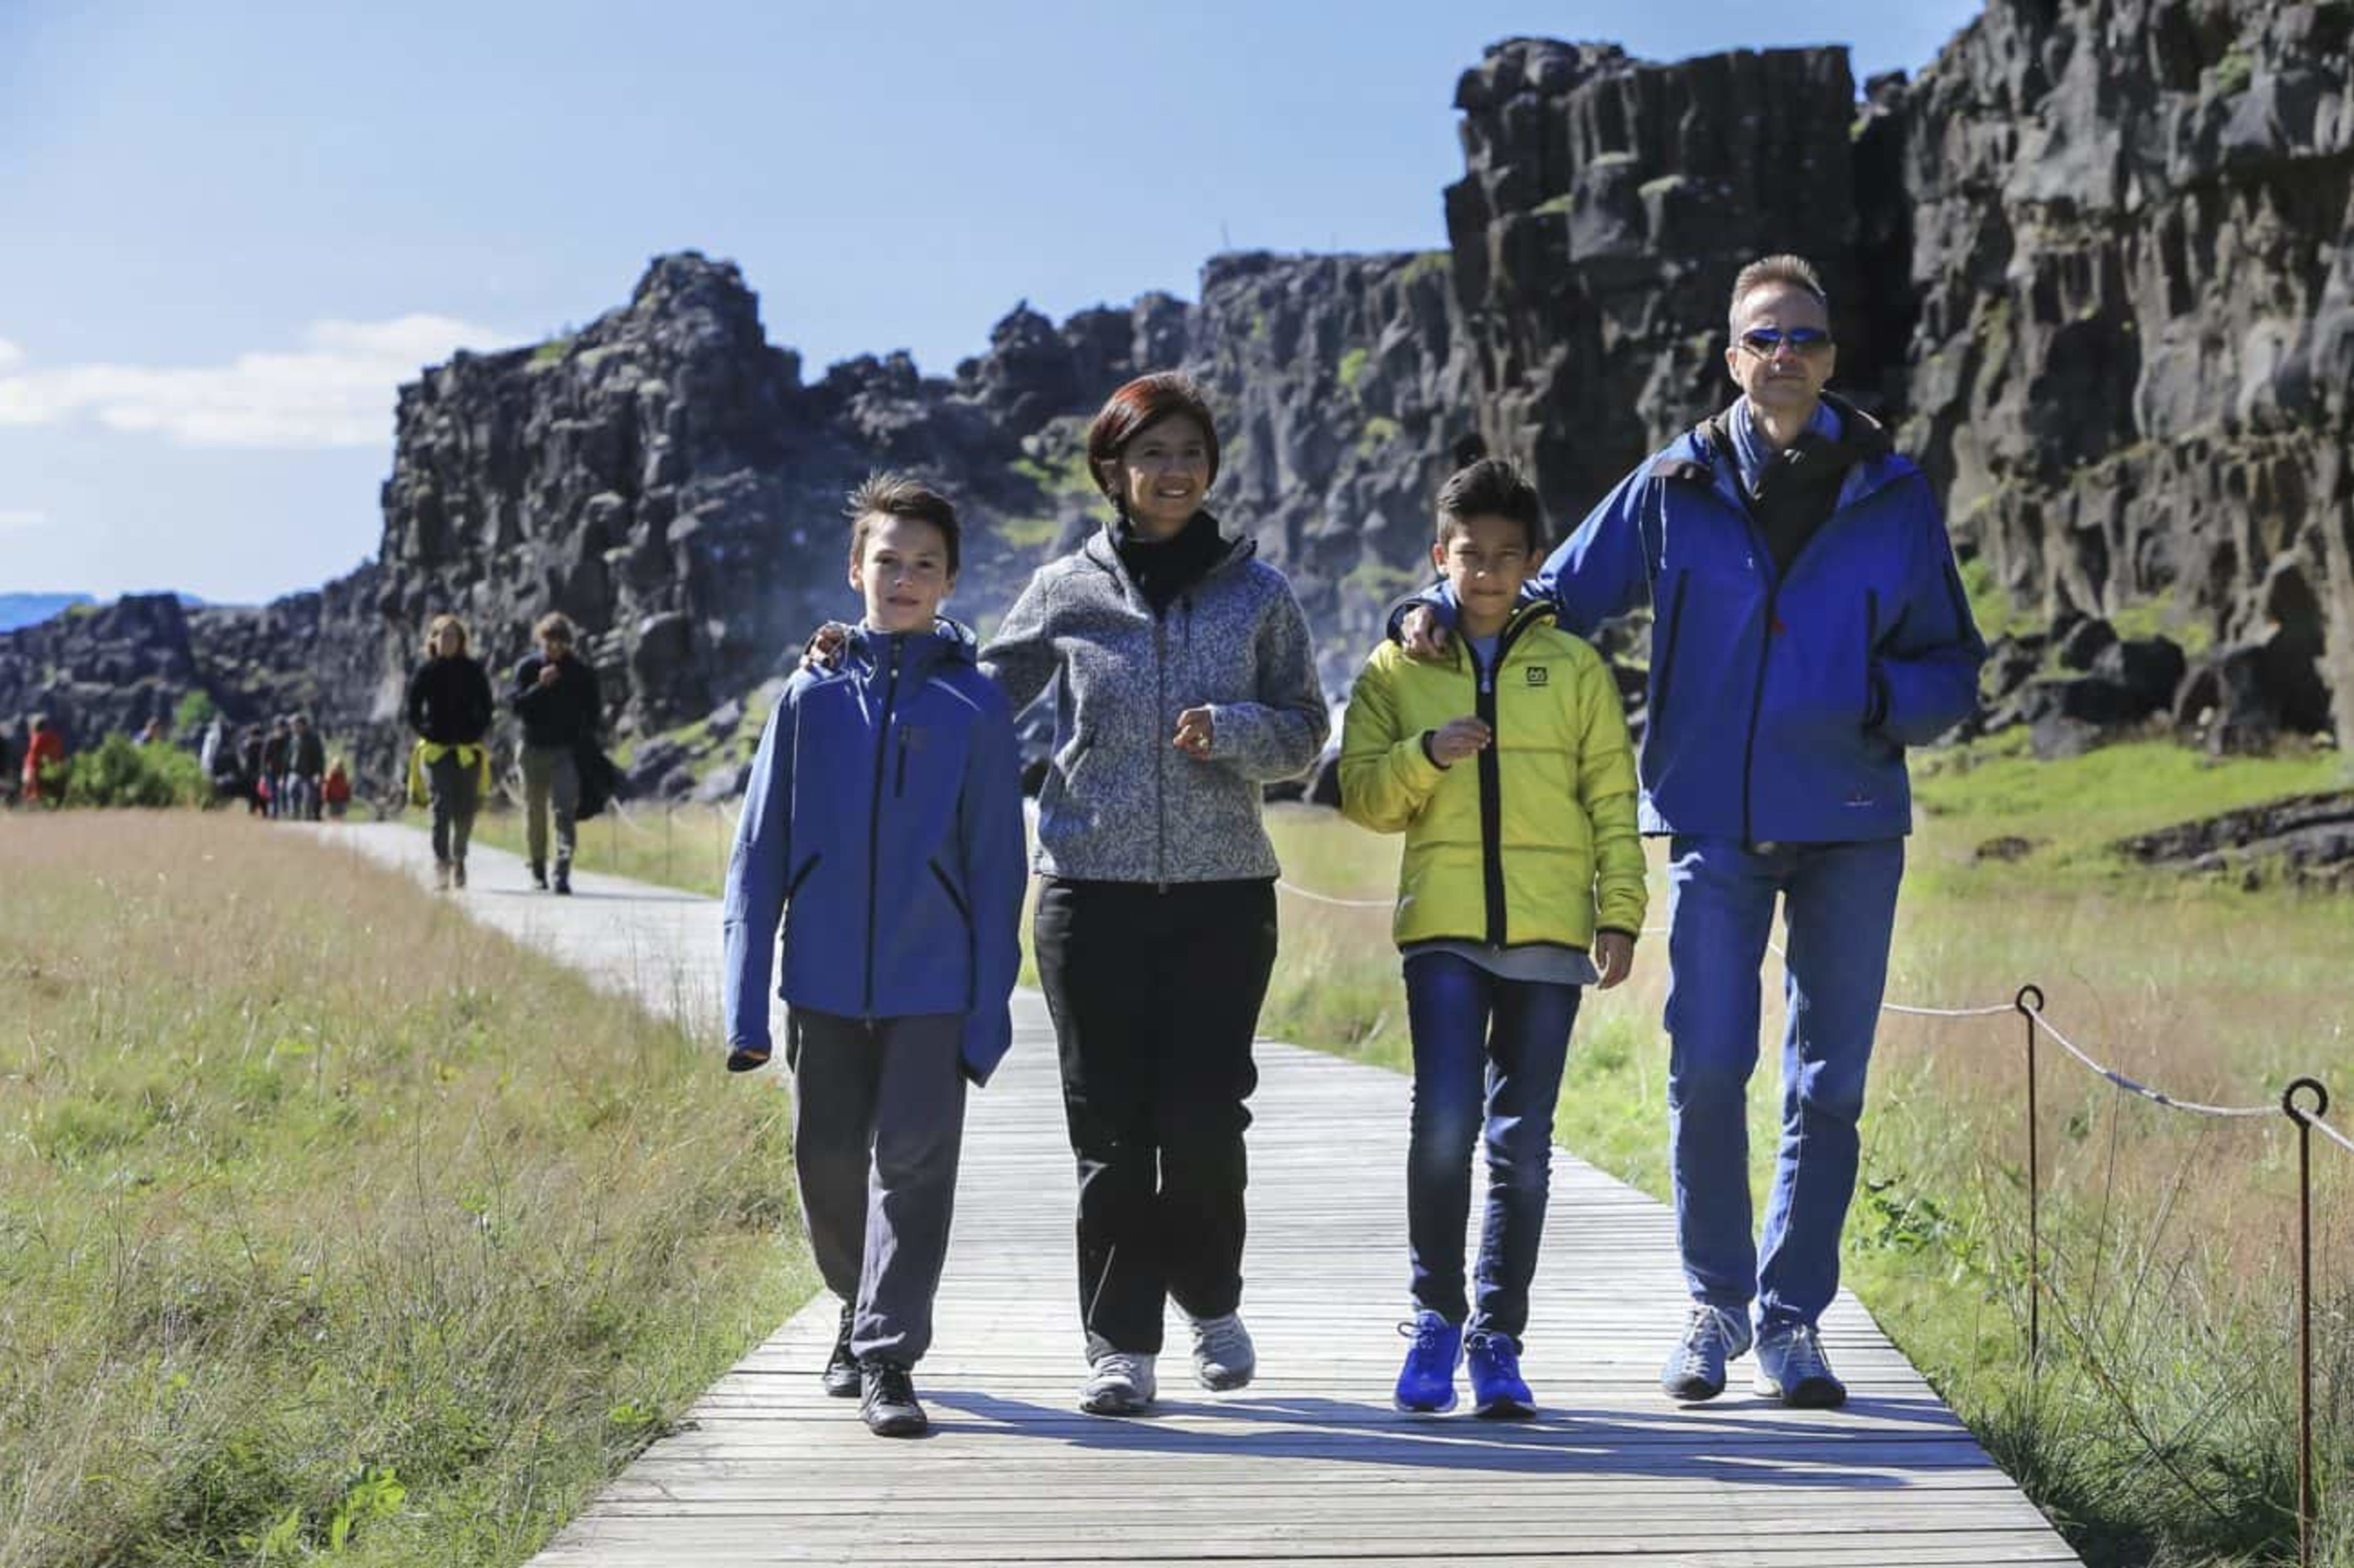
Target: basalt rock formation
(2095, 262)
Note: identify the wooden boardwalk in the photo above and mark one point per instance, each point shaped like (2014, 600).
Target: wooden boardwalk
(1308, 1465)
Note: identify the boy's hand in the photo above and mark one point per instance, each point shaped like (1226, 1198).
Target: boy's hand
(824, 649)
(1424, 638)
(743, 1059)
(1458, 739)
(1614, 955)
(1193, 737)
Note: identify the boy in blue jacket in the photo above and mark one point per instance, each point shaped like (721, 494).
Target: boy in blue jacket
(883, 828)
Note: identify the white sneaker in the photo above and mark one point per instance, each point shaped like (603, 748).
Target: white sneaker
(1119, 1383)
(1224, 1356)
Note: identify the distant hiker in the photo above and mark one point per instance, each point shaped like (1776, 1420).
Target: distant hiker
(276, 749)
(555, 695)
(883, 825)
(44, 749)
(253, 782)
(209, 749)
(150, 733)
(306, 765)
(450, 709)
(1511, 775)
(335, 789)
(1809, 626)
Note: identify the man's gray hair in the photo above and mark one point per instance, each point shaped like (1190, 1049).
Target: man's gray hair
(1775, 272)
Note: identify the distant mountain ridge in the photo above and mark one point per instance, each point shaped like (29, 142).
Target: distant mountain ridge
(24, 608)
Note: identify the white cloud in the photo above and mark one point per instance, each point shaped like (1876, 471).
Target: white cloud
(22, 520)
(336, 390)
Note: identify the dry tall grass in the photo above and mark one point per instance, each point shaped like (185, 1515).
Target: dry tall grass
(329, 1220)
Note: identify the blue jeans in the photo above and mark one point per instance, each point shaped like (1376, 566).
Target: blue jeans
(1488, 1055)
(1838, 902)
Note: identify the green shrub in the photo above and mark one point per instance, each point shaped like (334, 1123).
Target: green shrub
(121, 774)
(195, 710)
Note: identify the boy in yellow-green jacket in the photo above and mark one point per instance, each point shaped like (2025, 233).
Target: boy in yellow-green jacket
(1508, 770)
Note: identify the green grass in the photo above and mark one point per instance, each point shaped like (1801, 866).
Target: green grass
(334, 1226)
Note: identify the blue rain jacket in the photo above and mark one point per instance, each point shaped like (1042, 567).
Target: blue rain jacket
(882, 828)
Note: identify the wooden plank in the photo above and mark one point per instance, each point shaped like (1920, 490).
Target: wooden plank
(1309, 1466)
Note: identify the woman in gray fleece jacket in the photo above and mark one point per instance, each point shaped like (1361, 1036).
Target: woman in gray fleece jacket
(1186, 682)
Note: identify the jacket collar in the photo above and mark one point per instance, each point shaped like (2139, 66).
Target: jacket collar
(1704, 454)
(949, 642)
(1102, 550)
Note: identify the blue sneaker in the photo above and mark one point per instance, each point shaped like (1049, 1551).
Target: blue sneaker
(1497, 1391)
(1713, 1336)
(1426, 1385)
(1792, 1368)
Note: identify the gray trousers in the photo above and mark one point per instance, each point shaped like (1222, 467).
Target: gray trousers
(451, 786)
(549, 777)
(878, 1121)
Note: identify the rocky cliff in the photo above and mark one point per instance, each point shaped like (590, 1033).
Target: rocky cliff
(2098, 259)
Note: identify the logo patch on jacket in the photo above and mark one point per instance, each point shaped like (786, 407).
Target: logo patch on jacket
(1539, 675)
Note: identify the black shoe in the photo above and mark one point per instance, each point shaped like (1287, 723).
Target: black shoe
(563, 878)
(886, 1400)
(841, 1368)
(539, 876)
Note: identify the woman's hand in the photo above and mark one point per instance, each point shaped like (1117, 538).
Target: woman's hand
(1193, 737)
(824, 649)
(1614, 955)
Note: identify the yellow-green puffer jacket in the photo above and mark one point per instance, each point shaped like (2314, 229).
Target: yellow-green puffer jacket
(1533, 839)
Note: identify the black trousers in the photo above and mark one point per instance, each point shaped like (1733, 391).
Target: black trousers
(1155, 996)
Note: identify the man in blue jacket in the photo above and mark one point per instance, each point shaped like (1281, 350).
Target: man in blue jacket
(882, 827)
(1808, 625)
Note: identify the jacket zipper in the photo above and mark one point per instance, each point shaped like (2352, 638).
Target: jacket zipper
(900, 788)
(1491, 783)
(875, 820)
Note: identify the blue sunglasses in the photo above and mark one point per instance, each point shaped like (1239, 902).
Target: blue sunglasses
(1763, 341)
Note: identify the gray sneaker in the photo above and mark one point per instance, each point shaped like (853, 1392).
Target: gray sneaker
(1713, 1336)
(1119, 1383)
(1791, 1367)
(1223, 1357)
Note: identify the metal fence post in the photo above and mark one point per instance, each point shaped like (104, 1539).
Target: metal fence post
(2028, 1011)
(2305, 1509)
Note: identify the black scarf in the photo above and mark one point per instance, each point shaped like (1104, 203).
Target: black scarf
(1164, 568)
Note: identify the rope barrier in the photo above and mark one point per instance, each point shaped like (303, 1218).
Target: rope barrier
(2156, 1097)
(2329, 1132)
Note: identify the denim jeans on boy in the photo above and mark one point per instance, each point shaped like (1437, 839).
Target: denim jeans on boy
(1839, 905)
(1487, 1056)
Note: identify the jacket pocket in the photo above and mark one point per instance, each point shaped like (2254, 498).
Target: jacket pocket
(1663, 667)
(1870, 640)
(948, 886)
(794, 885)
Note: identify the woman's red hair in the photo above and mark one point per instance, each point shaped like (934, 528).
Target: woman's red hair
(1135, 408)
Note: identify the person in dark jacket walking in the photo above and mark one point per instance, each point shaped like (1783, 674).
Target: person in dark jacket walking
(882, 826)
(555, 697)
(450, 709)
(1809, 626)
(251, 752)
(277, 748)
(306, 767)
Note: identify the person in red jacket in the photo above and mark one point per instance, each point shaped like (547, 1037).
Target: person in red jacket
(44, 747)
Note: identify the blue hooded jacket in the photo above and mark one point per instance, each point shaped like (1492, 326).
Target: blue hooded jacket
(1779, 708)
(883, 827)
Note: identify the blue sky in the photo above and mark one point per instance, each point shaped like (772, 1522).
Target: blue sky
(227, 232)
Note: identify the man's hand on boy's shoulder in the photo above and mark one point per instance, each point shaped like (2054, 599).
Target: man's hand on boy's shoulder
(823, 650)
(1614, 956)
(1421, 634)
